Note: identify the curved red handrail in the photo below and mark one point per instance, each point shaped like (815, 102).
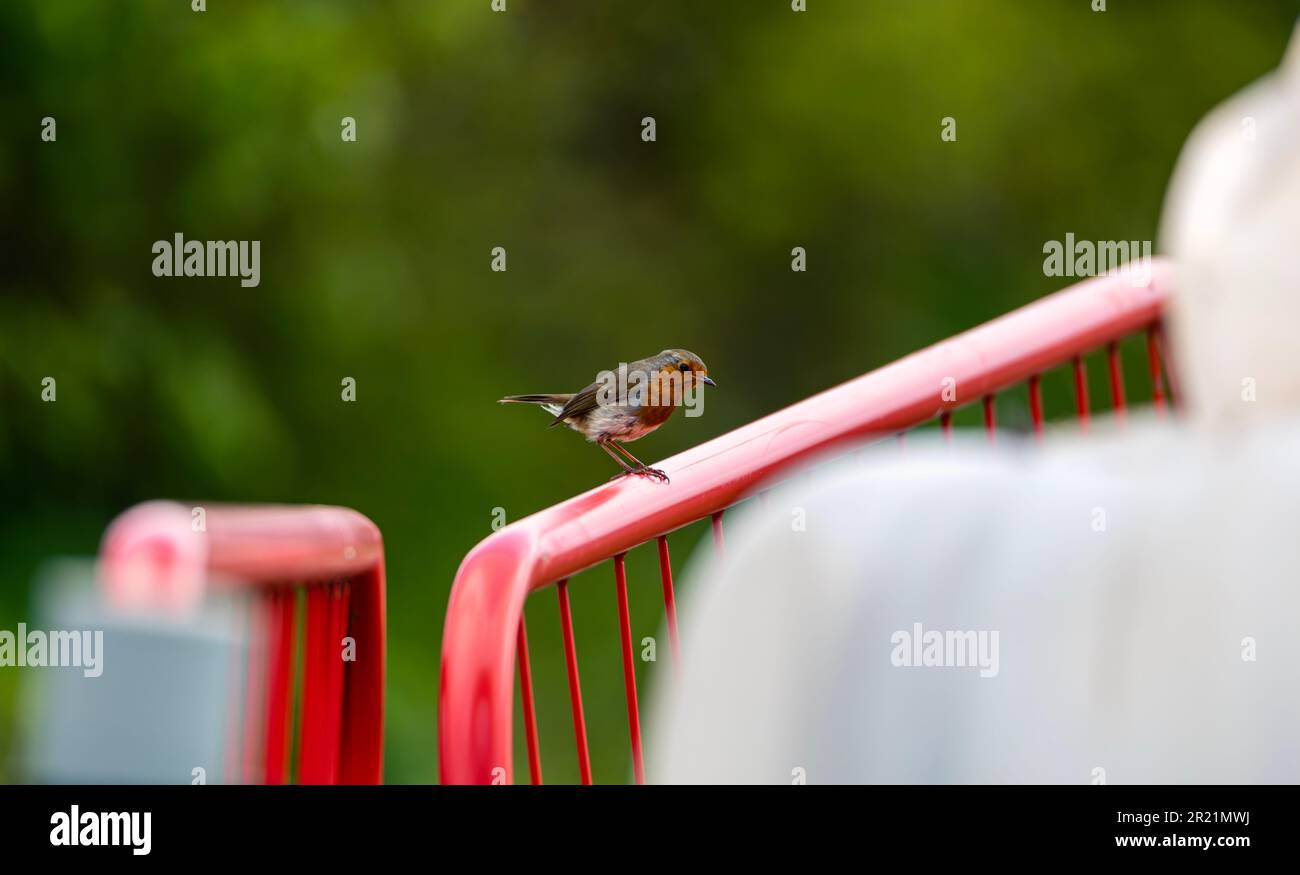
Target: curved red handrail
(478, 647)
(154, 556)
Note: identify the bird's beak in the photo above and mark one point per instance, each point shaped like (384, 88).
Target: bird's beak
(708, 381)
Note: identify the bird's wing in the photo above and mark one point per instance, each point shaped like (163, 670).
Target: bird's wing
(580, 404)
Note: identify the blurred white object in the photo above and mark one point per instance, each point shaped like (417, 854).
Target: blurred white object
(1141, 587)
(1232, 223)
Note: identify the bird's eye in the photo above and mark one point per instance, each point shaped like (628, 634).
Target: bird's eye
(684, 366)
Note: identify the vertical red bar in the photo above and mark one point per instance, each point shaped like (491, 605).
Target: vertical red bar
(1153, 360)
(530, 712)
(1081, 391)
(945, 425)
(335, 649)
(313, 743)
(902, 440)
(990, 421)
(670, 604)
(575, 688)
(361, 745)
(1116, 368)
(717, 533)
(331, 658)
(280, 611)
(1036, 405)
(256, 670)
(629, 669)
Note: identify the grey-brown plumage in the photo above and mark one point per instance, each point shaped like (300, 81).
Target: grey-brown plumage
(647, 405)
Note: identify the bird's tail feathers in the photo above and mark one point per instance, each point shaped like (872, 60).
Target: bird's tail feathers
(536, 399)
(552, 404)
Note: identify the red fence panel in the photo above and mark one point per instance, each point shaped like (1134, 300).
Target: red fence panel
(486, 605)
(155, 557)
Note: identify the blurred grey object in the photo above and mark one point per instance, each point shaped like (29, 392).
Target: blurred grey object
(161, 708)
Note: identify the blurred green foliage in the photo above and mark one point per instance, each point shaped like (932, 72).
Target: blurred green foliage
(522, 130)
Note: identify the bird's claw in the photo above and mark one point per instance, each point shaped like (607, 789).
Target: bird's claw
(653, 472)
(644, 471)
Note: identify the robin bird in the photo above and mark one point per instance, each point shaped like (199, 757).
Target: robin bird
(626, 405)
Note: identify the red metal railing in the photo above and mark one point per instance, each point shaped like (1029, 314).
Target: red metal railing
(484, 634)
(153, 558)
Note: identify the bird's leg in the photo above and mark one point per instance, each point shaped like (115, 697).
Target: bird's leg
(641, 467)
(626, 469)
(627, 454)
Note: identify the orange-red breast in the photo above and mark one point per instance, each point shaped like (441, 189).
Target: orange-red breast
(627, 404)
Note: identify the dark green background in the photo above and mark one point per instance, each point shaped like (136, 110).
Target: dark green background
(522, 129)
